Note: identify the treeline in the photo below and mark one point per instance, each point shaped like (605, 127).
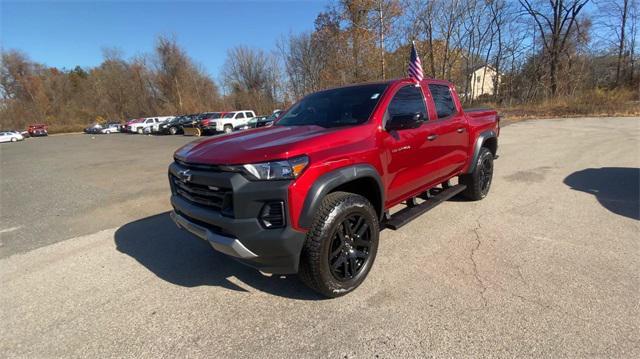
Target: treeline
(166, 82)
(542, 48)
(545, 50)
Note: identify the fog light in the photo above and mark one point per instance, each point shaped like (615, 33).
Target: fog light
(272, 215)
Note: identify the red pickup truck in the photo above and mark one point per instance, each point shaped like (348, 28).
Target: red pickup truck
(38, 129)
(310, 194)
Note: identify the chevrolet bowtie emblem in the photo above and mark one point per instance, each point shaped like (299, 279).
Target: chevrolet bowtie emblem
(185, 175)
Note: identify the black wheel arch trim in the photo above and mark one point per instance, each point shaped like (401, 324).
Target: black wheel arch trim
(329, 181)
(478, 145)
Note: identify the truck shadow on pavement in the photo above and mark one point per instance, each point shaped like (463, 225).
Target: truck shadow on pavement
(182, 259)
(616, 188)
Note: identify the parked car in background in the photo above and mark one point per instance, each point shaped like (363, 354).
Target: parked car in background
(112, 127)
(208, 122)
(11, 136)
(231, 120)
(155, 128)
(195, 126)
(252, 123)
(127, 126)
(37, 130)
(260, 121)
(191, 120)
(188, 122)
(204, 122)
(138, 127)
(173, 126)
(93, 129)
(270, 119)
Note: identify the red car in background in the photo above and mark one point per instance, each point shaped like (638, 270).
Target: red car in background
(127, 125)
(38, 129)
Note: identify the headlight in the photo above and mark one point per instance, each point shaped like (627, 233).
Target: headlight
(277, 170)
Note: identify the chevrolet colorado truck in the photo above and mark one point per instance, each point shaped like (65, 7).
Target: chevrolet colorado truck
(310, 194)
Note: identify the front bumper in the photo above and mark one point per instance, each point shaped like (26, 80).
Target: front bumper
(237, 231)
(227, 245)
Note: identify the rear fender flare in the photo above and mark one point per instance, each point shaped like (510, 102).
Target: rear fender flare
(478, 145)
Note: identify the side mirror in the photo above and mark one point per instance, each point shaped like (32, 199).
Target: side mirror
(404, 121)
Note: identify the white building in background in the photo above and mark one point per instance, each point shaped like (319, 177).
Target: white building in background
(482, 81)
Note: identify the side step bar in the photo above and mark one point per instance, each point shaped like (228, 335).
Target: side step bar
(410, 213)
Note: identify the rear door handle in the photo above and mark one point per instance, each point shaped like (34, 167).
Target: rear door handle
(432, 137)
(460, 130)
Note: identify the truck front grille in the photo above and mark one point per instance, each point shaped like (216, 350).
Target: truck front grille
(210, 196)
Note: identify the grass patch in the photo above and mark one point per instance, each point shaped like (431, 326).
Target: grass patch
(597, 102)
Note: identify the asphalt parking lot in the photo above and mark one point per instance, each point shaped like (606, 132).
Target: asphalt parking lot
(546, 266)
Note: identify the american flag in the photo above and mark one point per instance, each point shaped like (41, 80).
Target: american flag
(415, 66)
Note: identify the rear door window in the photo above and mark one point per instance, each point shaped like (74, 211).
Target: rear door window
(248, 114)
(240, 115)
(407, 101)
(445, 106)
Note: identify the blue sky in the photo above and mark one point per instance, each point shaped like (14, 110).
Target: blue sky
(66, 34)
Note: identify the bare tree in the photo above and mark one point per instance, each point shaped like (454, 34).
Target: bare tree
(555, 19)
(250, 75)
(624, 13)
(183, 86)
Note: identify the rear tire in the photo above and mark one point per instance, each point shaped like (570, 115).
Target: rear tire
(341, 245)
(173, 130)
(478, 182)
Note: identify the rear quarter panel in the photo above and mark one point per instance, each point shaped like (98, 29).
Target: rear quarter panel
(480, 121)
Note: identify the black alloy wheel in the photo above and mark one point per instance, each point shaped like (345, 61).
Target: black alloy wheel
(478, 182)
(349, 249)
(341, 245)
(486, 174)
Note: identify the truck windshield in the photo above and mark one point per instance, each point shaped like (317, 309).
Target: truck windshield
(345, 106)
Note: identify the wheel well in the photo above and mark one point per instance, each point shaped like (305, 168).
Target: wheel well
(492, 144)
(367, 187)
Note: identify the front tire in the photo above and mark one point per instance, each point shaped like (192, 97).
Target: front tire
(173, 130)
(479, 181)
(228, 129)
(13, 139)
(140, 131)
(341, 245)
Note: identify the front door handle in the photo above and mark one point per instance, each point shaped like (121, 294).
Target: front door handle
(460, 130)
(432, 137)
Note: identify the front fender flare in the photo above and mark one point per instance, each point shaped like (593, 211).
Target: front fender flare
(329, 181)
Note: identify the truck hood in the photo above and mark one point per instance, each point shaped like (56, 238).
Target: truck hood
(256, 145)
